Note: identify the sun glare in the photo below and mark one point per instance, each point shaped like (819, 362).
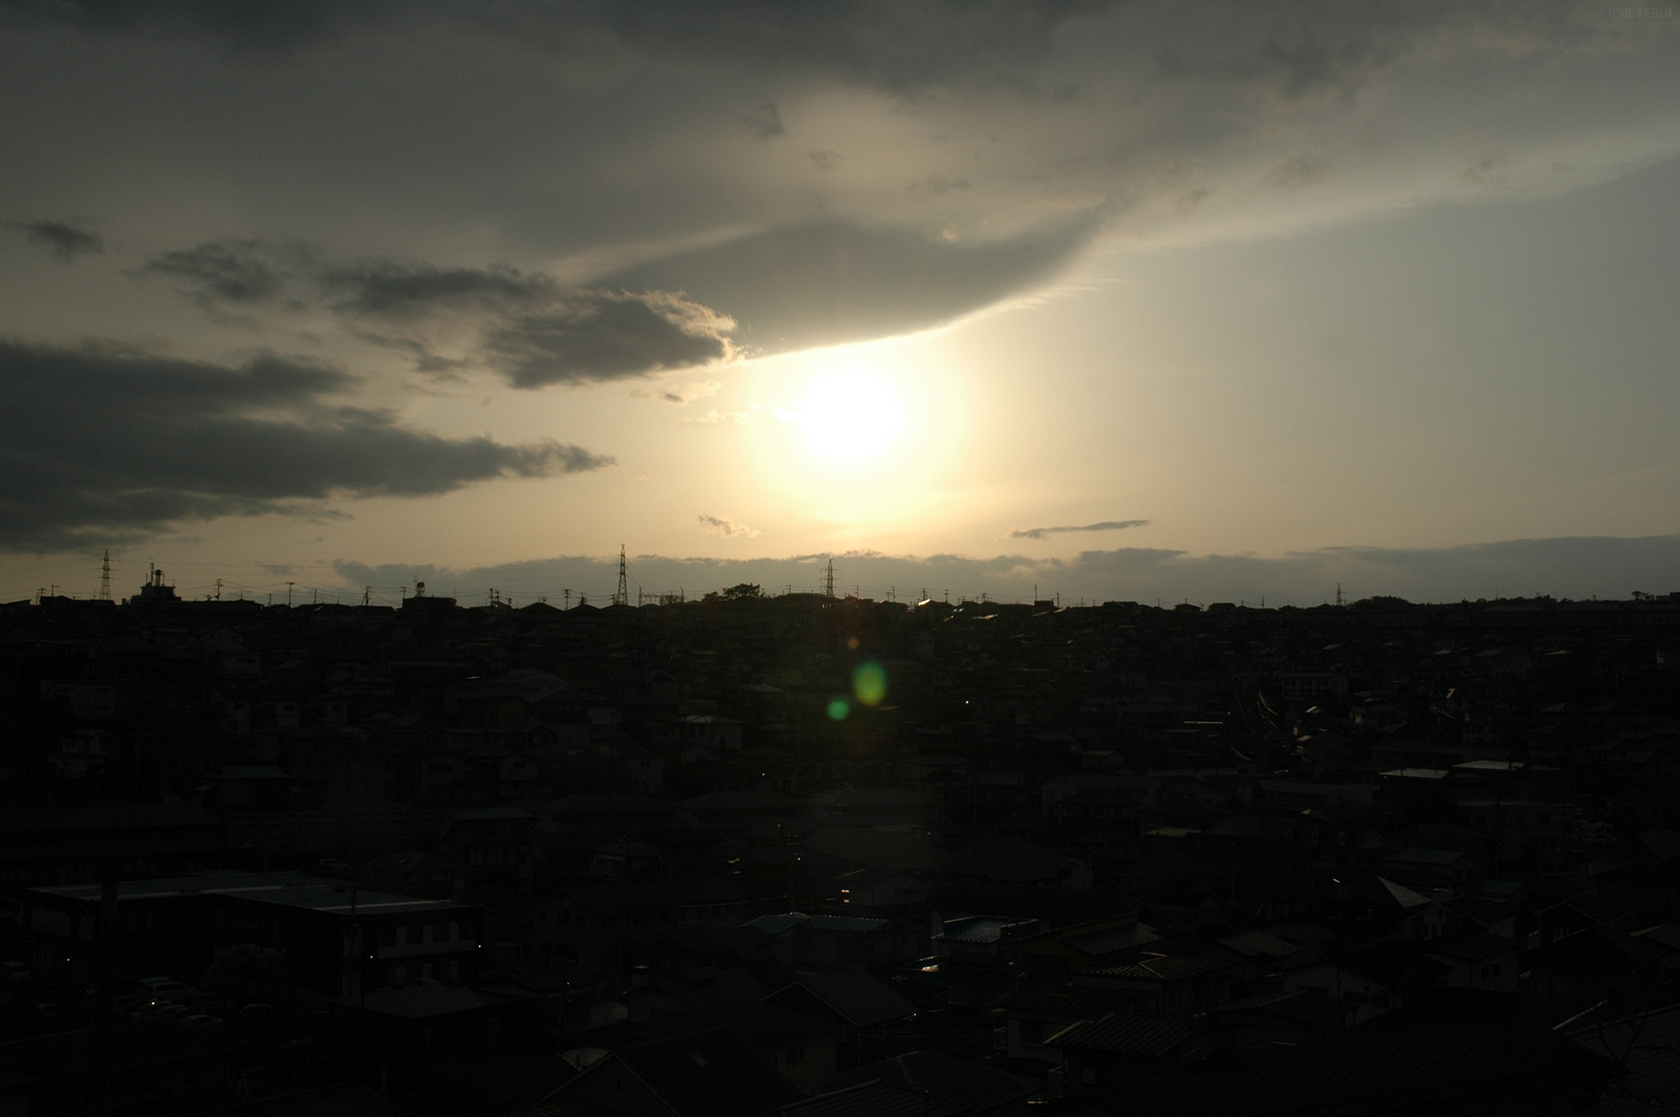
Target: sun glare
(851, 416)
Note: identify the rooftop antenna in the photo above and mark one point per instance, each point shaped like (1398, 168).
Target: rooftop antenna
(828, 580)
(105, 577)
(622, 597)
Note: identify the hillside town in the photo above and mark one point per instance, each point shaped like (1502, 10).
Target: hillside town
(820, 856)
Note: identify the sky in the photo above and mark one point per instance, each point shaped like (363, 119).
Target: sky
(1113, 301)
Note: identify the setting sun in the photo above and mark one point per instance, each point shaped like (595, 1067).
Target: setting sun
(848, 417)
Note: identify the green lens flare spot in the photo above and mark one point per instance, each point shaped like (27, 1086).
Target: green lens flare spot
(869, 683)
(839, 708)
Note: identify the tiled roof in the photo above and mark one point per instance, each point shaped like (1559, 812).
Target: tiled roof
(1162, 968)
(972, 1085)
(872, 1099)
(1113, 939)
(857, 997)
(709, 1074)
(1254, 944)
(1125, 1033)
(1650, 1043)
(1392, 1071)
(1308, 1005)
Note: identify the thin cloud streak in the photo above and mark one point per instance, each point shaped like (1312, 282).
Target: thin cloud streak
(1106, 525)
(64, 239)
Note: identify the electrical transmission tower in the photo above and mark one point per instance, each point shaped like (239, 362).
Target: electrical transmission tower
(828, 580)
(105, 577)
(622, 597)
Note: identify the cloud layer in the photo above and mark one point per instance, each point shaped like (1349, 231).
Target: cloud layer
(1575, 567)
(102, 443)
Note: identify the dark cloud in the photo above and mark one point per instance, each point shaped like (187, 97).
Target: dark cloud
(607, 335)
(837, 281)
(103, 442)
(219, 272)
(530, 328)
(896, 44)
(272, 25)
(65, 239)
(409, 290)
(1564, 567)
(807, 285)
(1106, 525)
(765, 122)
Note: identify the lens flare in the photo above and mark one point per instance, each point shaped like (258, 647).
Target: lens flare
(839, 708)
(869, 683)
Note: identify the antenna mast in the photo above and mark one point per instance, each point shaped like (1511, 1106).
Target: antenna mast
(622, 597)
(105, 577)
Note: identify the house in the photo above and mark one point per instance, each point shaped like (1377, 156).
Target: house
(490, 847)
(1478, 961)
(801, 1048)
(710, 732)
(1596, 965)
(340, 940)
(1282, 1016)
(982, 937)
(1481, 1066)
(707, 1074)
(864, 1007)
(1430, 868)
(841, 940)
(929, 1082)
(1375, 979)
(1034, 1014)
(1098, 1054)
(1166, 984)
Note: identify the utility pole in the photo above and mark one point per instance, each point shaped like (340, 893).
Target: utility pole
(218, 589)
(288, 595)
(568, 594)
(622, 597)
(105, 577)
(367, 595)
